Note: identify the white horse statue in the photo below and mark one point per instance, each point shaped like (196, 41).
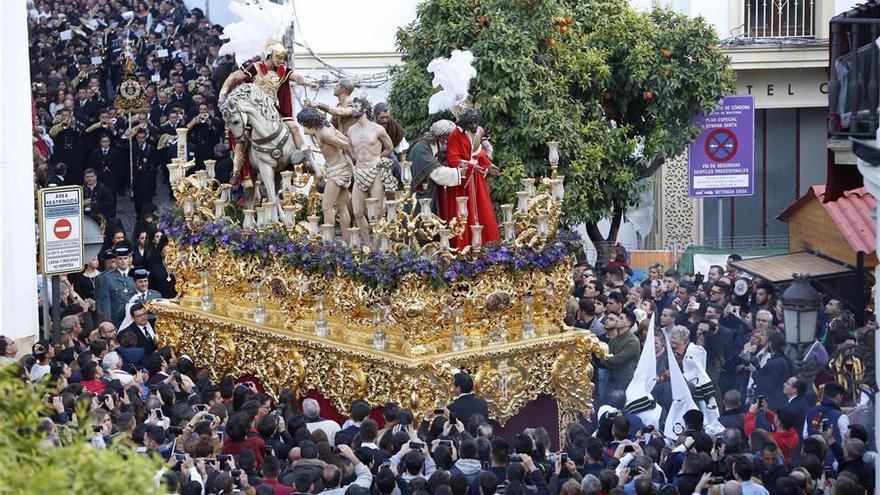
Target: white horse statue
(255, 122)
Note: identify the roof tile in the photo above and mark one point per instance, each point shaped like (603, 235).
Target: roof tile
(854, 215)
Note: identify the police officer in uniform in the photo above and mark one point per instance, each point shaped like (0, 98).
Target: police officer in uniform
(114, 288)
(144, 171)
(142, 294)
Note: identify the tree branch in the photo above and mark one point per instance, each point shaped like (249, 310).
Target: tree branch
(653, 166)
(616, 219)
(593, 233)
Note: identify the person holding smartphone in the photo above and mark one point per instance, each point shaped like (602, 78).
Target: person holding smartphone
(782, 426)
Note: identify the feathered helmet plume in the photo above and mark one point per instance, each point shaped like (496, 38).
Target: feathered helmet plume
(262, 24)
(453, 75)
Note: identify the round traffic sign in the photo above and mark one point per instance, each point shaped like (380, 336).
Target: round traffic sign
(721, 145)
(62, 228)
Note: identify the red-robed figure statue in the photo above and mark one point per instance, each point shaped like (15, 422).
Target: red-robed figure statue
(468, 143)
(273, 78)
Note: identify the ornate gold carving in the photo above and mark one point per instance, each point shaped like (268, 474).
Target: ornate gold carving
(508, 375)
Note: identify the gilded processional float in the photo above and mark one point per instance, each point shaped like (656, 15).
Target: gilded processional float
(265, 287)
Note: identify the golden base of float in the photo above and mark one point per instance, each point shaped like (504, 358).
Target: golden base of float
(507, 375)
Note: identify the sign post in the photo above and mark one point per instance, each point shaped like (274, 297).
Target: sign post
(61, 240)
(721, 161)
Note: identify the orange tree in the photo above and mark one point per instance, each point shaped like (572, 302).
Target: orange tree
(617, 88)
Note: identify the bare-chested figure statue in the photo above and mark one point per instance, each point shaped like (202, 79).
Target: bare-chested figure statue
(372, 172)
(337, 167)
(343, 114)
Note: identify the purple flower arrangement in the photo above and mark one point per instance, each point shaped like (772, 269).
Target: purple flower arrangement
(375, 270)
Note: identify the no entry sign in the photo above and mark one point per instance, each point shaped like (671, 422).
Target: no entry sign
(62, 229)
(721, 162)
(61, 239)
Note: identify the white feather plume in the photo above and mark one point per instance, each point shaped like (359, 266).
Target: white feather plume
(260, 21)
(454, 76)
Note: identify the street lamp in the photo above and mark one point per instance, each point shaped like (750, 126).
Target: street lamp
(800, 304)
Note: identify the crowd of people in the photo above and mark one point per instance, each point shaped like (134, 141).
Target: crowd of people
(769, 420)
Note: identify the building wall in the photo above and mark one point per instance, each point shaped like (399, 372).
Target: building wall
(790, 156)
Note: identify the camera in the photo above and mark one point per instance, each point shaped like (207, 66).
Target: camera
(439, 411)
(447, 443)
(514, 458)
(180, 457)
(416, 445)
(718, 442)
(209, 417)
(175, 430)
(200, 407)
(628, 448)
(825, 425)
(563, 459)
(501, 489)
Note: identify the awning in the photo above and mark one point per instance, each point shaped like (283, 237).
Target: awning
(780, 267)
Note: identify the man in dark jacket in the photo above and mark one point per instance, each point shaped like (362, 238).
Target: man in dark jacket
(769, 466)
(733, 416)
(144, 169)
(774, 372)
(796, 393)
(466, 404)
(827, 412)
(98, 199)
(141, 329)
(851, 458)
(108, 163)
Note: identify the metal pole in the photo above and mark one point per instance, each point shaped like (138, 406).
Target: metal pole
(131, 159)
(56, 309)
(720, 220)
(47, 326)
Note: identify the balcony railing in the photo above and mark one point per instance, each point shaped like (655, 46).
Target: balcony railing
(854, 74)
(779, 18)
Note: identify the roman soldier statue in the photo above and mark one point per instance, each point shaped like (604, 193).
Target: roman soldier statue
(261, 63)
